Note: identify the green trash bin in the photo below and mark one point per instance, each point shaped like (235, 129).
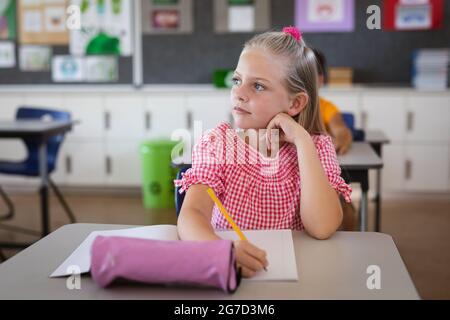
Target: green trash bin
(158, 174)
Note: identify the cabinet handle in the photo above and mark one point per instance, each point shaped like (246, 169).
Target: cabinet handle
(68, 165)
(189, 120)
(408, 167)
(148, 118)
(364, 117)
(107, 120)
(410, 121)
(108, 165)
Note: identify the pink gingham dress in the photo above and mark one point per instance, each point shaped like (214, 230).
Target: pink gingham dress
(258, 192)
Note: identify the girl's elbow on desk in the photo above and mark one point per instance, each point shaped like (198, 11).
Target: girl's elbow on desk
(324, 230)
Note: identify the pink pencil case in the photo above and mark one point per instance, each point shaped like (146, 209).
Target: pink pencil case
(209, 263)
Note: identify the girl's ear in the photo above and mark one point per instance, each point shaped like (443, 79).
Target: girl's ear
(298, 103)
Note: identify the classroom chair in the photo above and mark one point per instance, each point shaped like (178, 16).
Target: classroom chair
(30, 166)
(179, 198)
(349, 119)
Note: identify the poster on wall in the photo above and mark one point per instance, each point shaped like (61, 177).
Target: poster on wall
(167, 16)
(7, 19)
(106, 28)
(409, 15)
(102, 69)
(7, 54)
(325, 15)
(43, 22)
(68, 69)
(34, 58)
(233, 16)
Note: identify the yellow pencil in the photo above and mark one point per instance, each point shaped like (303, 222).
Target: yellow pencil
(227, 216)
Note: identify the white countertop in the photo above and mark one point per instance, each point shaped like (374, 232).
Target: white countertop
(187, 88)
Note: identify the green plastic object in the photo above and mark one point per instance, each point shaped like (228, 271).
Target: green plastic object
(158, 174)
(103, 44)
(223, 78)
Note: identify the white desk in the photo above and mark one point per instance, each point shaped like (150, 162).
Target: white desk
(330, 269)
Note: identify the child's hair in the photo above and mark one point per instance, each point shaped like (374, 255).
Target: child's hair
(321, 63)
(301, 73)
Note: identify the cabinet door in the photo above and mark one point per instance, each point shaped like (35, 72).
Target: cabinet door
(346, 102)
(393, 178)
(44, 100)
(12, 150)
(88, 110)
(426, 168)
(9, 104)
(428, 117)
(124, 116)
(385, 112)
(122, 163)
(84, 163)
(164, 114)
(208, 110)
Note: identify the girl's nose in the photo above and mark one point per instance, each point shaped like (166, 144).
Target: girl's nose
(240, 94)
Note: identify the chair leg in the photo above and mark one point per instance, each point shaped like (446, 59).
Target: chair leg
(62, 201)
(9, 204)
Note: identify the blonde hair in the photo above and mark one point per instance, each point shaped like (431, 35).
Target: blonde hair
(301, 73)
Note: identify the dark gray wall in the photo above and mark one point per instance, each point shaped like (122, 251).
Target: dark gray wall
(376, 56)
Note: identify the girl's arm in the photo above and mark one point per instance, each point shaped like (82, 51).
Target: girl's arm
(320, 208)
(194, 221)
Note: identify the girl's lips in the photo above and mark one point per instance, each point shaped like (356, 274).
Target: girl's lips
(241, 111)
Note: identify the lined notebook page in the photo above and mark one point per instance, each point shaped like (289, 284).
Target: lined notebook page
(279, 246)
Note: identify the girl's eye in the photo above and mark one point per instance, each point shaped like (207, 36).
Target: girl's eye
(259, 87)
(235, 81)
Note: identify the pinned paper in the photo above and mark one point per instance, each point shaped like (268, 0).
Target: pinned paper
(325, 15)
(34, 58)
(43, 22)
(68, 69)
(7, 54)
(241, 18)
(101, 69)
(106, 28)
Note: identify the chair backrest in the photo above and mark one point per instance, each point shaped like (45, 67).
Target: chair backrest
(349, 119)
(53, 144)
(179, 198)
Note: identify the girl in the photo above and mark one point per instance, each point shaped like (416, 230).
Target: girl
(275, 87)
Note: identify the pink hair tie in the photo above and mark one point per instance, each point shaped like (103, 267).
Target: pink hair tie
(293, 31)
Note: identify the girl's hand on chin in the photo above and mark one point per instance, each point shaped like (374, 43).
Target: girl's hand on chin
(289, 129)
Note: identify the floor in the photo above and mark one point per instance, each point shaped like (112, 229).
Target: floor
(420, 228)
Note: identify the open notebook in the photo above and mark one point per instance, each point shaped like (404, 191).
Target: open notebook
(277, 243)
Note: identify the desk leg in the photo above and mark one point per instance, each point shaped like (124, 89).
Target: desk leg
(363, 210)
(378, 149)
(44, 188)
(378, 203)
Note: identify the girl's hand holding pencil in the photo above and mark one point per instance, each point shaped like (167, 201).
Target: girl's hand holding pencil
(250, 258)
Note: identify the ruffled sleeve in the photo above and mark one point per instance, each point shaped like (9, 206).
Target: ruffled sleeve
(207, 164)
(328, 158)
